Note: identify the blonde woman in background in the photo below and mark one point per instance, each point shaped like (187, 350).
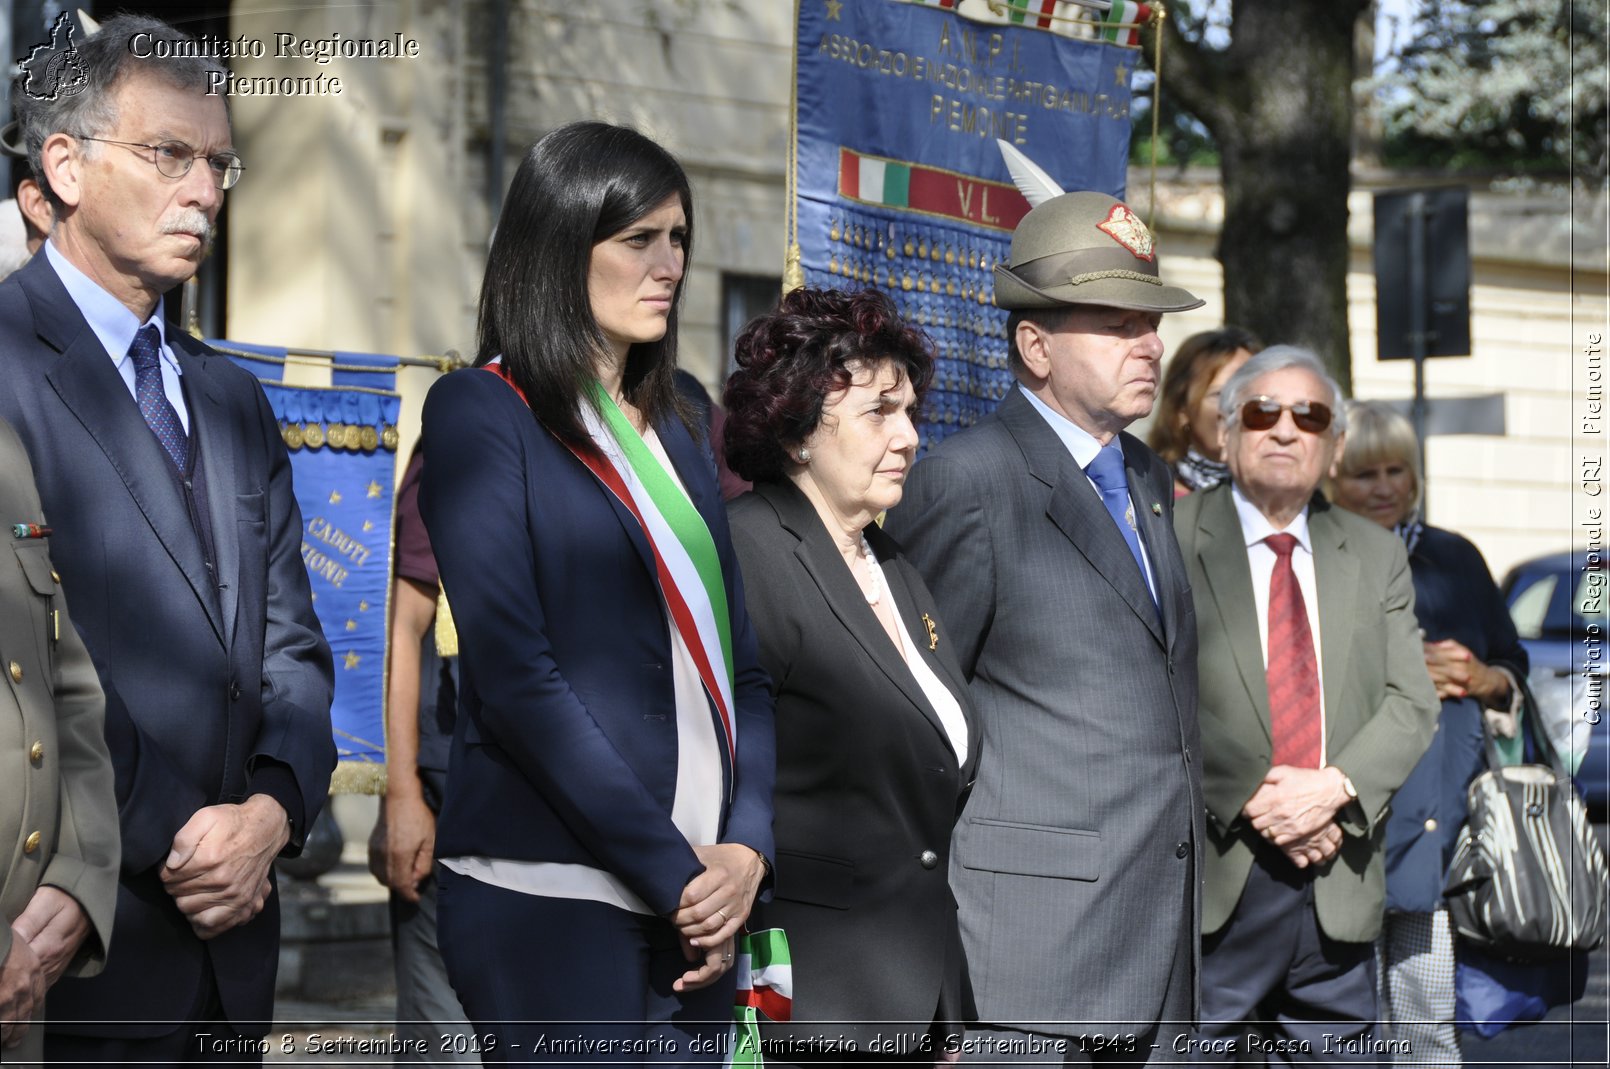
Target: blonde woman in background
(1474, 656)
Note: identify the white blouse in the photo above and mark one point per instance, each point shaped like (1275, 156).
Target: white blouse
(933, 688)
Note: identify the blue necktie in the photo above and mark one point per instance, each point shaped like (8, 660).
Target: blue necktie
(159, 414)
(1107, 472)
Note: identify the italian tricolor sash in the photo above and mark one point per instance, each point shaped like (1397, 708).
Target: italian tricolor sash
(686, 565)
(765, 975)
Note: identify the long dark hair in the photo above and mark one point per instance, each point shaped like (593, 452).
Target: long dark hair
(1185, 385)
(577, 186)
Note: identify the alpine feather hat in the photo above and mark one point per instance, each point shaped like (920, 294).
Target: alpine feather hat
(1086, 248)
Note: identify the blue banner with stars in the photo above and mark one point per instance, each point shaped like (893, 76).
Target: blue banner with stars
(343, 447)
(898, 182)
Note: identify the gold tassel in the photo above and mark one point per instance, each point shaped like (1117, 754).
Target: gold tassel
(793, 269)
(446, 633)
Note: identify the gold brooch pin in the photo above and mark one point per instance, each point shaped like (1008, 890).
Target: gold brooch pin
(933, 632)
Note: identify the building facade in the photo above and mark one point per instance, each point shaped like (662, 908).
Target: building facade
(367, 212)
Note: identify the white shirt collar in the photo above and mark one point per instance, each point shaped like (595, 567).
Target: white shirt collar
(1255, 526)
(1079, 442)
(107, 316)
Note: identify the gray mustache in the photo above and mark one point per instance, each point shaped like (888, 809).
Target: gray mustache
(189, 221)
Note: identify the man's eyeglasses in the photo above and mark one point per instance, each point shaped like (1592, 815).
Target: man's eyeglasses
(175, 158)
(1261, 413)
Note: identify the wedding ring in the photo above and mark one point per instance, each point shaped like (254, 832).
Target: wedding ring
(724, 917)
(726, 959)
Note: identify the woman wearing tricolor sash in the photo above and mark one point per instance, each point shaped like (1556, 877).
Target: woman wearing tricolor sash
(876, 741)
(607, 824)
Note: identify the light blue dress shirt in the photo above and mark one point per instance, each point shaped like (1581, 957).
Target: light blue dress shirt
(116, 326)
(1084, 447)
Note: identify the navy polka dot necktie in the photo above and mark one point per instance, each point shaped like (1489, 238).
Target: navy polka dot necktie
(159, 414)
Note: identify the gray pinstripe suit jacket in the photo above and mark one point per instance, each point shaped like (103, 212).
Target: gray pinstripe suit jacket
(1073, 862)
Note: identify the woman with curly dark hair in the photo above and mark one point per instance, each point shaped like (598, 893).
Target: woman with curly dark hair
(874, 733)
(1185, 428)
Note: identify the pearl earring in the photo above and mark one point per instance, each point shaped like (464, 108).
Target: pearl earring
(804, 456)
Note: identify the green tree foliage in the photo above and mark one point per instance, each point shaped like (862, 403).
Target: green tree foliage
(1272, 82)
(1181, 141)
(1500, 85)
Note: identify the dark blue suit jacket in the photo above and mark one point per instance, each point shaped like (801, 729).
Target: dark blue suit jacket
(217, 678)
(1454, 597)
(565, 746)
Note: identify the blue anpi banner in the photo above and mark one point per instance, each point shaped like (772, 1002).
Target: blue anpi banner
(343, 446)
(898, 181)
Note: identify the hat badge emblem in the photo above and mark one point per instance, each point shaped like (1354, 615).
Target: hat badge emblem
(1125, 227)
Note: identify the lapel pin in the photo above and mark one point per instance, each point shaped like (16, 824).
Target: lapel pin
(933, 632)
(1157, 510)
(30, 530)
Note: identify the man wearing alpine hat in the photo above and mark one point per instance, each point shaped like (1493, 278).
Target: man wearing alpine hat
(1044, 532)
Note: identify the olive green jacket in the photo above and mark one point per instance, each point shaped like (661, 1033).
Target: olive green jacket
(1380, 706)
(58, 818)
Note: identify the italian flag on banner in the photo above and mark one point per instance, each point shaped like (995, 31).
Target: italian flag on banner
(1124, 11)
(875, 181)
(765, 976)
(1043, 8)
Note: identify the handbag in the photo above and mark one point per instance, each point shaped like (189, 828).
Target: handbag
(1528, 878)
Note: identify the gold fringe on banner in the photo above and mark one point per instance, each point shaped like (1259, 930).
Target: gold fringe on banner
(1159, 13)
(793, 269)
(358, 777)
(449, 361)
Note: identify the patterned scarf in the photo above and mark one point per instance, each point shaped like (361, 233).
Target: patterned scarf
(1198, 472)
(1410, 528)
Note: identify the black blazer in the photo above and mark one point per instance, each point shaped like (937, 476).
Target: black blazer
(217, 676)
(868, 786)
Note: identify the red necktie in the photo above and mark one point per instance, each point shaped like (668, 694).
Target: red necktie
(1293, 673)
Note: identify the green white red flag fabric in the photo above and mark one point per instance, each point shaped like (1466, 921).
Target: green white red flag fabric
(873, 180)
(765, 985)
(1123, 20)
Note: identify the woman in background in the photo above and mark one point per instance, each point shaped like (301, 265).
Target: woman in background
(1474, 657)
(1185, 429)
(608, 810)
(874, 734)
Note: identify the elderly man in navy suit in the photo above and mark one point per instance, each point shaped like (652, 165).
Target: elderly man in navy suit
(161, 468)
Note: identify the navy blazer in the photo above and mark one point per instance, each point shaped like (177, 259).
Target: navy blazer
(565, 746)
(217, 676)
(1454, 597)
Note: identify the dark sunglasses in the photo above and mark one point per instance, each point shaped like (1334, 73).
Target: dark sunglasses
(1261, 413)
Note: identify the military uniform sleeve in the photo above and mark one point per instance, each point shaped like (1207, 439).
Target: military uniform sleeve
(85, 864)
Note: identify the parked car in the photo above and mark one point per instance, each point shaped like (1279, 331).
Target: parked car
(1558, 603)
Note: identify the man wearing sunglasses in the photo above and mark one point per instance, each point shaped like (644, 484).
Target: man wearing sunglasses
(162, 472)
(1043, 533)
(1315, 705)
